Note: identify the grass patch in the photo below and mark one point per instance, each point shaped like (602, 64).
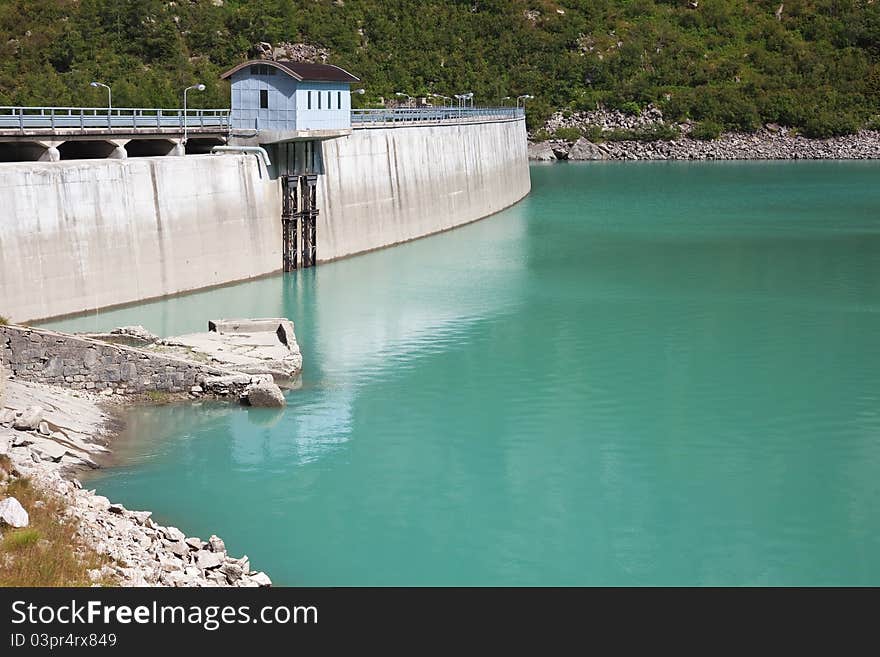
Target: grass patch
(20, 540)
(48, 552)
(158, 396)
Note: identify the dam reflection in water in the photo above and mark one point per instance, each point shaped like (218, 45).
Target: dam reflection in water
(642, 374)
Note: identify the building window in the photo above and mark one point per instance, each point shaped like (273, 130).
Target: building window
(319, 100)
(262, 69)
(310, 100)
(264, 99)
(329, 103)
(338, 100)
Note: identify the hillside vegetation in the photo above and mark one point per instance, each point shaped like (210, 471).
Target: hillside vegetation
(811, 64)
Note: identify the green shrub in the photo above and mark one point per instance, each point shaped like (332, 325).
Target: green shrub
(706, 130)
(540, 135)
(568, 134)
(630, 108)
(873, 123)
(656, 132)
(3, 321)
(826, 124)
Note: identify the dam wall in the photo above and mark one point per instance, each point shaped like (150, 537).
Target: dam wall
(383, 186)
(85, 234)
(80, 235)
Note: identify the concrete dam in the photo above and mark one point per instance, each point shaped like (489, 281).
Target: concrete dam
(79, 235)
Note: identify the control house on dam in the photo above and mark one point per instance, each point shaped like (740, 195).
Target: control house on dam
(289, 108)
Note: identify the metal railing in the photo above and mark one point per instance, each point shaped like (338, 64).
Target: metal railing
(415, 115)
(134, 118)
(98, 118)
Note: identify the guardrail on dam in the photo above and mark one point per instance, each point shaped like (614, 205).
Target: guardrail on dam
(80, 235)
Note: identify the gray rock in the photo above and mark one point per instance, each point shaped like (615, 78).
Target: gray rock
(207, 560)
(586, 150)
(541, 152)
(29, 419)
(141, 517)
(12, 513)
(173, 534)
(44, 428)
(195, 543)
(178, 548)
(261, 579)
(7, 416)
(265, 394)
(48, 450)
(216, 544)
(99, 502)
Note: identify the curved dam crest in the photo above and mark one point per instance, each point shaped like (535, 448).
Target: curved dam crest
(87, 234)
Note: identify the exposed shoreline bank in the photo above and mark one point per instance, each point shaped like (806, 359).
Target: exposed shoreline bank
(56, 425)
(610, 135)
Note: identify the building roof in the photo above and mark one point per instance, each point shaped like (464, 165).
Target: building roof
(300, 71)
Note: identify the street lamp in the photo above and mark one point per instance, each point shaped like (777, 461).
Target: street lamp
(524, 98)
(441, 96)
(197, 87)
(463, 98)
(359, 92)
(109, 94)
(408, 97)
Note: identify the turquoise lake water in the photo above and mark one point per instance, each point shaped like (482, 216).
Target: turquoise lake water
(644, 373)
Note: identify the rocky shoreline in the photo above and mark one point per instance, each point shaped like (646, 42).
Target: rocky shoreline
(50, 434)
(605, 127)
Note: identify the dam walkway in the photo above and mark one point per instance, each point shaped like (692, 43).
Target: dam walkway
(55, 133)
(62, 133)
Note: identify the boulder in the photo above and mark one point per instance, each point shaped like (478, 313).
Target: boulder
(178, 548)
(265, 394)
(48, 450)
(586, 150)
(207, 560)
(173, 534)
(12, 513)
(216, 544)
(195, 543)
(541, 152)
(232, 570)
(261, 579)
(7, 416)
(29, 419)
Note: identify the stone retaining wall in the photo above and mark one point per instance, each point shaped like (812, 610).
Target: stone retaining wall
(80, 363)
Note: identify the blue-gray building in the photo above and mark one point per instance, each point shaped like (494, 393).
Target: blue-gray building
(290, 97)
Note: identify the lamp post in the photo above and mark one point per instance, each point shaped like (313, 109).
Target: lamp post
(445, 98)
(197, 87)
(109, 99)
(408, 97)
(524, 98)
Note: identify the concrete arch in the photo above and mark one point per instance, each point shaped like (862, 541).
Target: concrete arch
(87, 150)
(27, 151)
(149, 147)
